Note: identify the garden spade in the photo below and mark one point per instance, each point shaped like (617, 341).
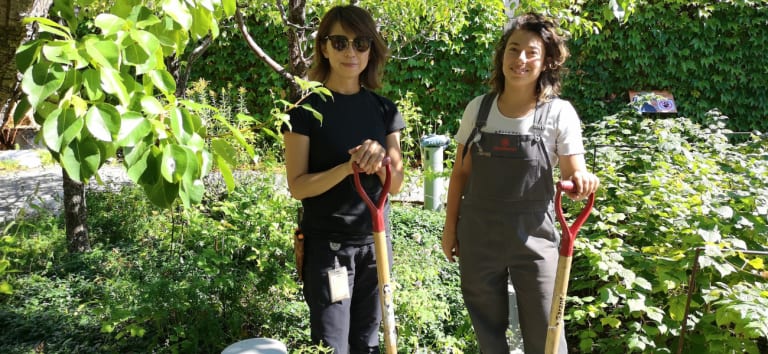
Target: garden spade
(555, 326)
(382, 257)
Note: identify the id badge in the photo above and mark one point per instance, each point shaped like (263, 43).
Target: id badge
(338, 283)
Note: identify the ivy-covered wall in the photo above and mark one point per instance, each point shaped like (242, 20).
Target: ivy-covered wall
(708, 54)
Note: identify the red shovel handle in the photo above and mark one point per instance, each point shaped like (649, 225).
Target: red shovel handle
(569, 232)
(377, 214)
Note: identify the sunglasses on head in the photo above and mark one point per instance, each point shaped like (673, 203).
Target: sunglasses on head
(340, 43)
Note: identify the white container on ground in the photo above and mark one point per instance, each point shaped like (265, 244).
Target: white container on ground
(256, 346)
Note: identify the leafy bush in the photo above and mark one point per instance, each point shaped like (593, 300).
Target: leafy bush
(195, 281)
(671, 186)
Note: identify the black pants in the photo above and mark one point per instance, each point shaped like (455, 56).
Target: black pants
(351, 325)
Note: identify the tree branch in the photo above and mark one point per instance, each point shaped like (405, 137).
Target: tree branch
(258, 50)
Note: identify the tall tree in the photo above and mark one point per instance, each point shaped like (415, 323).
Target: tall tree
(110, 90)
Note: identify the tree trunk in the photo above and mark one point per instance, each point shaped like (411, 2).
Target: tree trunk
(12, 34)
(75, 214)
(297, 20)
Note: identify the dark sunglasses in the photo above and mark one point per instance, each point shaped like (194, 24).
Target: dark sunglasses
(340, 43)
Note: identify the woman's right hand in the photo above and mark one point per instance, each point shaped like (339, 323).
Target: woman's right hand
(368, 156)
(450, 245)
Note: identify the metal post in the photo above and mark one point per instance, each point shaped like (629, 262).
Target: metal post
(432, 147)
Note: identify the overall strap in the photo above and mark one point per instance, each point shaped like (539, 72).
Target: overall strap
(482, 119)
(540, 118)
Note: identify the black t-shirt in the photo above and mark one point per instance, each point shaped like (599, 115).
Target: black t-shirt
(340, 214)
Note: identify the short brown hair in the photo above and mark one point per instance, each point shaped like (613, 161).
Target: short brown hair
(555, 51)
(359, 21)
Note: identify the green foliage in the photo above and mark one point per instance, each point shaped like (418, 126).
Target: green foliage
(108, 90)
(703, 52)
(668, 187)
(196, 280)
(430, 311)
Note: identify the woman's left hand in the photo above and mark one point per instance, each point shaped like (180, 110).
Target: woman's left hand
(585, 183)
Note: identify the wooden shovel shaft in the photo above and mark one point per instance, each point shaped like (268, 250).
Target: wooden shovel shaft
(555, 327)
(385, 292)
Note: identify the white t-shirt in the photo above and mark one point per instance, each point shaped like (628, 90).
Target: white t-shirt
(562, 132)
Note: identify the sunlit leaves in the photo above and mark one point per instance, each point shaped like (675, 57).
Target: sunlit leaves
(110, 24)
(41, 81)
(110, 89)
(103, 121)
(133, 128)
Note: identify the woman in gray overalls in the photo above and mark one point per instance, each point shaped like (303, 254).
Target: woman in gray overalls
(500, 210)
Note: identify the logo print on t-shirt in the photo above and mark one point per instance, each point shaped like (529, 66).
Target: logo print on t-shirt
(505, 145)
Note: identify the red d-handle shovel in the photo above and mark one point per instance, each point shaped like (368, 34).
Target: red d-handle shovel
(382, 257)
(555, 326)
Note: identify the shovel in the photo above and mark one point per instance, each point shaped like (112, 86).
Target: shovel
(555, 326)
(382, 257)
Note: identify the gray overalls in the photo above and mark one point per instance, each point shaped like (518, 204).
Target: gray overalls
(506, 231)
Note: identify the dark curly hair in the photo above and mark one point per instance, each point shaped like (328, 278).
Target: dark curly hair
(555, 50)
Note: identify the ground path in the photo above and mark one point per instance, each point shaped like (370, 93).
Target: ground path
(26, 184)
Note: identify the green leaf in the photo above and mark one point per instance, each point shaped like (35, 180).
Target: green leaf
(142, 164)
(610, 321)
(103, 121)
(237, 134)
(179, 122)
(81, 159)
(163, 80)
(226, 172)
(174, 163)
(27, 54)
(145, 52)
(162, 193)
(62, 52)
(636, 304)
(70, 126)
(144, 18)
(92, 84)
(224, 150)
(51, 130)
(152, 106)
(203, 23)
(65, 9)
(49, 26)
(133, 128)
(110, 24)
(6, 288)
(112, 83)
(22, 109)
(40, 81)
(104, 53)
(137, 57)
(180, 13)
(229, 7)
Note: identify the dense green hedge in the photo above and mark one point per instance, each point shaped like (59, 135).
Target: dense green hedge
(709, 54)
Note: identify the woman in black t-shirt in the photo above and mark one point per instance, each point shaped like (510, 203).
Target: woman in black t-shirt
(358, 127)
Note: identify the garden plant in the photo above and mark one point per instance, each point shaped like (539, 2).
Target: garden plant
(198, 253)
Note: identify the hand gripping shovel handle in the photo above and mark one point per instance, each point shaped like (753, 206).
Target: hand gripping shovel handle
(382, 256)
(557, 310)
